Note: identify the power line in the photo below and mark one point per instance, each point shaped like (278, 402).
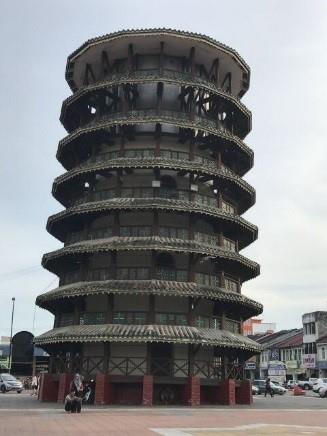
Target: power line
(34, 314)
(19, 272)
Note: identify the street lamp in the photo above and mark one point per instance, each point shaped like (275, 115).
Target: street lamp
(12, 322)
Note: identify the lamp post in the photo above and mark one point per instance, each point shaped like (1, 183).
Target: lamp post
(12, 322)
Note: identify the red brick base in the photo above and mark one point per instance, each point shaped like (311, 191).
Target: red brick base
(226, 393)
(103, 389)
(192, 391)
(48, 388)
(147, 397)
(244, 393)
(64, 384)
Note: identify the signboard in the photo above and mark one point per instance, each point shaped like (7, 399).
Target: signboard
(309, 361)
(276, 367)
(250, 365)
(322, 364)
(277, 371)
(4, 362)
(291, 364)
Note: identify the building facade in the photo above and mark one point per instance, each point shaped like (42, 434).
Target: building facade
(281, 352)
(150, 276)
(314, 328)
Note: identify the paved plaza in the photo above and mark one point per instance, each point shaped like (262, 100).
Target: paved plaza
(286, 415)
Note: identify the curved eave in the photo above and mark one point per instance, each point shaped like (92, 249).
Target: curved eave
(56, 221)
(178, 119)
(141, 77)
(246, 306)
(246, 191)
(208, 43)
(146, 334)
(249, 268)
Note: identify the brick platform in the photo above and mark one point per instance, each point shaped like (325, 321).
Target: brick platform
(48, 388)
(226, 393)
(192, 392)
(103, 389)
(244, 393)
(64, 384)
(147, 397)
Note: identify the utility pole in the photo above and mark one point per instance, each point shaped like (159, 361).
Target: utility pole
(12, 322)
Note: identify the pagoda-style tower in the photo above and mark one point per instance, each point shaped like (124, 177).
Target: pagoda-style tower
(149, 299)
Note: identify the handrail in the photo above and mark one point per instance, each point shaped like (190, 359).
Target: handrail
(155, 75)
(181, 119)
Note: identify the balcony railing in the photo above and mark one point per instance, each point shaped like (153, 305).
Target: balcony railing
(136, 366)
(183, 195)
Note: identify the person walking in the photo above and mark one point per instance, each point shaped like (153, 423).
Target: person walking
(269, 389)
(35, 384)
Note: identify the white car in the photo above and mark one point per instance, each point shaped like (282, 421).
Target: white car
(318, 384)
(323, 392)
(280, 390)
(9, 383)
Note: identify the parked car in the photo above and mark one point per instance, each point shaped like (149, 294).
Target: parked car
(323, 392)
(9, 383)
(318, 384)
(255, 390)
(261, 385)
(280, 390)
(290, 384)
(306, 384)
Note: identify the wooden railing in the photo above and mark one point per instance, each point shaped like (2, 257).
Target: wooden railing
(138, 366)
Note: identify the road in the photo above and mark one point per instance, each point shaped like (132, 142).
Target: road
(22, 414)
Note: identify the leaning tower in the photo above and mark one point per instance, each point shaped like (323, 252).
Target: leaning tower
(149, 301)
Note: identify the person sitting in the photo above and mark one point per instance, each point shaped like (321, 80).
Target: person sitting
(73, 403)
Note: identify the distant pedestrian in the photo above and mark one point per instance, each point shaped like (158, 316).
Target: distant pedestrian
(73, 403)
(269, 389)
(35, 384)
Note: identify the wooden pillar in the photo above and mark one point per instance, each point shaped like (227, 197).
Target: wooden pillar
(153, 275)
(122, 144)
(161, 58)
(219, 200)
(130, 58)
(77, 312)
(190, 354)
(221, 239)
(157, 140)
(217, 71)
(218, 159)
(155, 224)
(110, 309)
(116, 226)
(160, 91)
(191, 316)
(192, 61)
(119, 174)
(113, 265)
(192, 150)
(191, 229)
(106, 357)
(223, 320)
(192, 193)
(151, 313)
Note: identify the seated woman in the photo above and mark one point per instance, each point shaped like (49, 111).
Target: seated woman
(73, 403)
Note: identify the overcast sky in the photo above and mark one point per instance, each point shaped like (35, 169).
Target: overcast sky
(283, 41)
